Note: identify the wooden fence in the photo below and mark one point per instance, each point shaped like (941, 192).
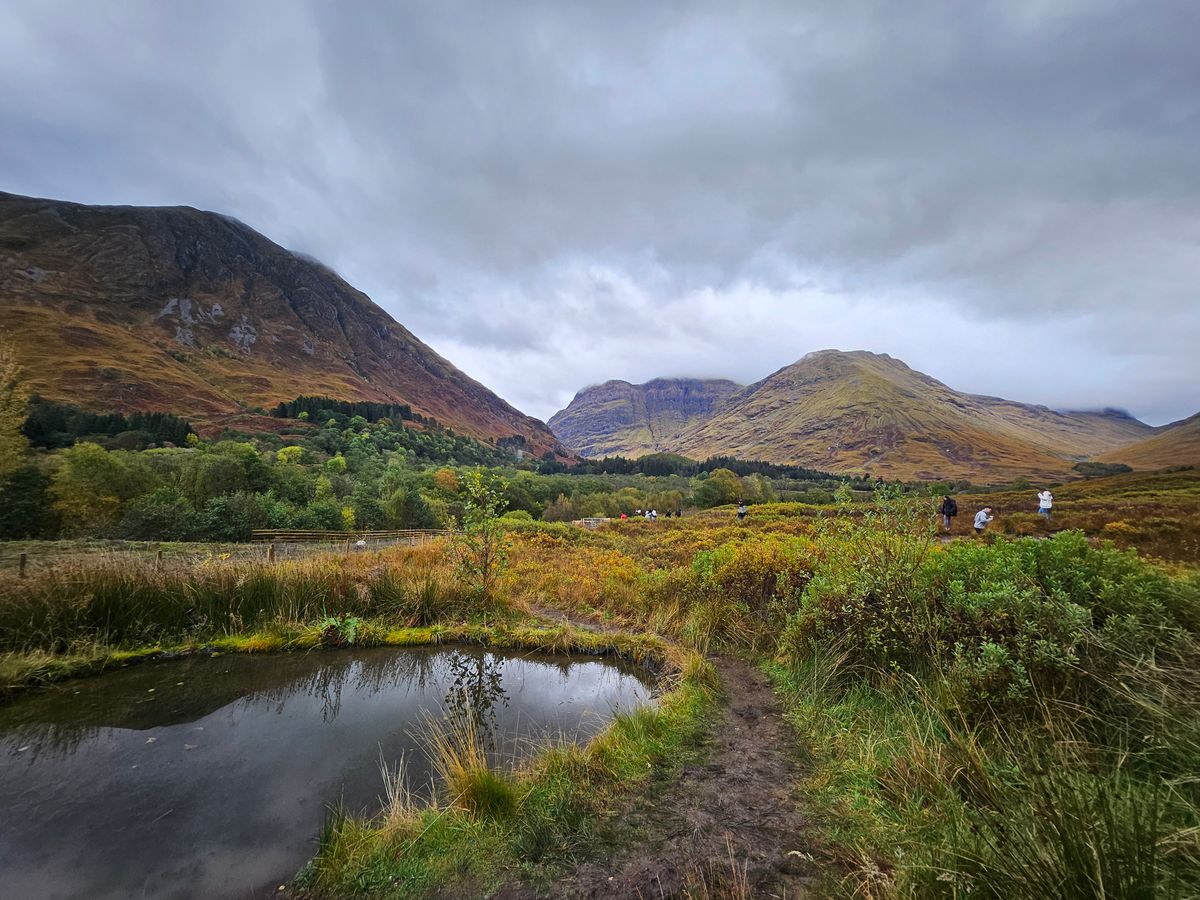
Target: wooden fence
(285, 536)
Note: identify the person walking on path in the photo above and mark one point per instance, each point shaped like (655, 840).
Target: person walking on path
(741, 510)
(948, 510)
(1045, 501)
(982, 518)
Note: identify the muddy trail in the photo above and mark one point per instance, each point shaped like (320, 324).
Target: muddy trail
(728, 827)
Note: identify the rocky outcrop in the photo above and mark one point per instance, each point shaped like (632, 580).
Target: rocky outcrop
(635, 419)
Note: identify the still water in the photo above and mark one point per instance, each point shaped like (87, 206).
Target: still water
(211, 777)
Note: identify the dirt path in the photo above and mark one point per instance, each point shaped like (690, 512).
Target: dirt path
(728, 828)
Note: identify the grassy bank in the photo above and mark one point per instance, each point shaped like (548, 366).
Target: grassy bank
(490, 824)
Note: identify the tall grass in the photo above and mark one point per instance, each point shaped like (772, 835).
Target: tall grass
(123, 602)
(927, 798)
(464, 767)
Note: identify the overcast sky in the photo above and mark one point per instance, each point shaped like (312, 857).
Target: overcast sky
(1006, 196)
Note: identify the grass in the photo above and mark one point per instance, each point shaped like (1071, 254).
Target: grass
(121, 601)
(994, 718)
(1090, 793)
(491, 823)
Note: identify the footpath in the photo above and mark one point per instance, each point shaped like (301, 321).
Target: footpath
(728, 828)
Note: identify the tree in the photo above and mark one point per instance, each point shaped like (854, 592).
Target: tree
(479, 542)
(232, 517)
(290, 455)
(92, 485)
(27, 510)
(720, 487)
(162, 515)
(14, 404)
(562, 509)
(406, 508)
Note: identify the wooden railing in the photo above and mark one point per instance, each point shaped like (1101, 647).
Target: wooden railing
(294, 536)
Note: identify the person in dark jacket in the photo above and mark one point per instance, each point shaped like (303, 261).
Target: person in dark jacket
(948, 510)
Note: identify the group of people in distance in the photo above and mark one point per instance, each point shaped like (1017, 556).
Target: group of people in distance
(651, 515)
(949, 509)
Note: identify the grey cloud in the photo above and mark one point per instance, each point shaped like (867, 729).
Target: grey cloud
(559, 183)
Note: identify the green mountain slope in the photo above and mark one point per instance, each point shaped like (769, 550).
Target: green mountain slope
(1177, 444)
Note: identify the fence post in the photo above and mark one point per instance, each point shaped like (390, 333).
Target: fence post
(21, 565)
(271, 553)
(158, 557)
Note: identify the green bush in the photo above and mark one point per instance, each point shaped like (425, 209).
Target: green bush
(1001, 620)
(162, 515)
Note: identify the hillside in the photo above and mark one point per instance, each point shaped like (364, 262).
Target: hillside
(1177, 444)
(860, 411)
(178, 310)
(636, 419)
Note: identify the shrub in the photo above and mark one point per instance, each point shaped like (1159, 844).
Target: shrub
(1002, 620)
(164, 515)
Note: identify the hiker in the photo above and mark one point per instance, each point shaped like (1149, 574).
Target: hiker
(654, 515)
(982, 518)
(647, 516)
(948, 510)
(624, 517)
(1045, 501)
(741, 512)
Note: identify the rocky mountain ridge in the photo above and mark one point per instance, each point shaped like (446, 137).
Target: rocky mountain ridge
(179, 310)
(635, 419)
(860, 411)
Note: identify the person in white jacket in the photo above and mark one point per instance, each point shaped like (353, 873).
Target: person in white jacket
(1045, 501)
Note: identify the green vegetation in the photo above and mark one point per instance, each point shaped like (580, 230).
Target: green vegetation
(342, 466)
(51, 424)
(999, 717)
(14, 398)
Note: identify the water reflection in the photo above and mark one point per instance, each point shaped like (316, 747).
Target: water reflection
(210, 777)
(477, 686)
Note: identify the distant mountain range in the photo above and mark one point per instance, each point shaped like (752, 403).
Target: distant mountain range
(178, 310)
(853, 412)
(619, 418)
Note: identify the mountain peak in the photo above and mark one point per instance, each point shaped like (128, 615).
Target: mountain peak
(633, 419)
(179, 310)
(852, 411)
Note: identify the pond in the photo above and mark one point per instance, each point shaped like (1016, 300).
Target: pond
(211, 777)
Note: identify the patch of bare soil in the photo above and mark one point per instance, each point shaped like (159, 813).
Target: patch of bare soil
(728, 828)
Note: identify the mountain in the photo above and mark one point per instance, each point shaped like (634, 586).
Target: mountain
(1177, 444)
(190, 312)
(636, 419)
(860, 411)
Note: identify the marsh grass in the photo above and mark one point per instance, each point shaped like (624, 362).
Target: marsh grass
(470, 776)
(922, 797)
(120, 601)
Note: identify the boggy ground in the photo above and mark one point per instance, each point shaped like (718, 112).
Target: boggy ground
(728, 827)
